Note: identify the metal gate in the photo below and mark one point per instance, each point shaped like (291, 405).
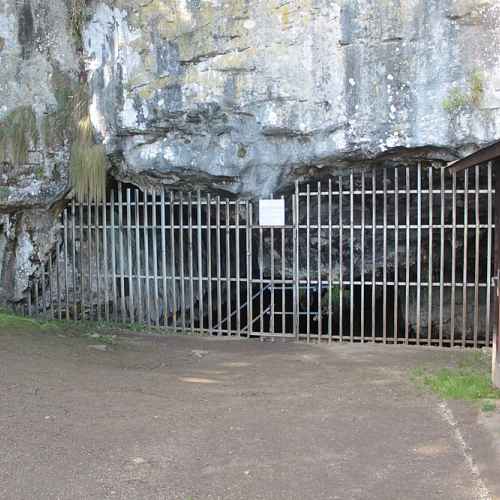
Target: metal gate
(392, 255)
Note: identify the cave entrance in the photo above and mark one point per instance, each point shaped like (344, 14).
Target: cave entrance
(391, 255)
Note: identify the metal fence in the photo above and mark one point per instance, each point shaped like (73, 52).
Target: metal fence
(392, 255)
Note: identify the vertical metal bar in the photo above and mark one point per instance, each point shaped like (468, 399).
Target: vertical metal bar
(218, 266)
(97, 259)
(453, 258)
(113, 255)
(140, 300)
(476, 261)
(441, 257)
(49, 270)
(105, 257)
(73, 260)
(374, 239)
(296, 273)
(238, 268)
(155, 257)
(320, 315)
(200, 263)
(163, 223)
(37, 300)
(58, 282)
(308, 261)
(384, 259)
(407, 259)
(30, 305)
(147, 283)
(191, 271)
(341, 264)
(80, 261)
(430, 257)
(283, 278)
(65, 250)
(121, 254)
(330, 263)
(271, 320)
(181, 260)
(419, 245)
(249, 209)
(363, 229)
(465, 261)
(89, 255)
(89, 261)
(396, 254)
(209, 262)
(129, 259)
(488, 257)
(351, 258)
(44, 294)
(228, 268)
(261, 278)
(172, 261)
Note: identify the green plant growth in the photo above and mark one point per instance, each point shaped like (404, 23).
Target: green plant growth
(77, 15)
(458, 99)
(455, 101)
(18, 132)
(71, 122)
(476, 84)
(489, 406)
(88, 164)
(469, 380)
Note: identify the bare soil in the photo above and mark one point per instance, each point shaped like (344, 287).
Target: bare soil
(201, 418)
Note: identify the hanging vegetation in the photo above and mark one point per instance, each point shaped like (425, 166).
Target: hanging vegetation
(88, 164)
(18, 132)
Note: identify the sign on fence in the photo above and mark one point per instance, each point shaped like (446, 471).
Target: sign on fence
(272, 212)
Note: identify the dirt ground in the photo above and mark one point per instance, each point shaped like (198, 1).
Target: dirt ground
(198, 418)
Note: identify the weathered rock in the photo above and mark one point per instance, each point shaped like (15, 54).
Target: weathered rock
(246, 95)
(240, 95)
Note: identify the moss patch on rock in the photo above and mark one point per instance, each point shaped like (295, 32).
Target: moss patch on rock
(18, 132)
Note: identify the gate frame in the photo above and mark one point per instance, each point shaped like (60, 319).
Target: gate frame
(481, 158)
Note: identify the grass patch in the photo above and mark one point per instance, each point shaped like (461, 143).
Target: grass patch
(458, 99)
(469, 380)
(106, 332)
(489, 406)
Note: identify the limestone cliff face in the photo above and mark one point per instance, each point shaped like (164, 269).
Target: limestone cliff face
(247, 94)
(240, 95)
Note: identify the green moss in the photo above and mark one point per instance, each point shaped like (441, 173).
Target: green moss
(4, 193)
(458, 99)
(18, 131)
(242, 151)
(39, 172)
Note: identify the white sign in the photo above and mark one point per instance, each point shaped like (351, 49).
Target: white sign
(272, 212)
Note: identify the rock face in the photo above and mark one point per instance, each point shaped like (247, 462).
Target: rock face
(239, 95)
(245, 95)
